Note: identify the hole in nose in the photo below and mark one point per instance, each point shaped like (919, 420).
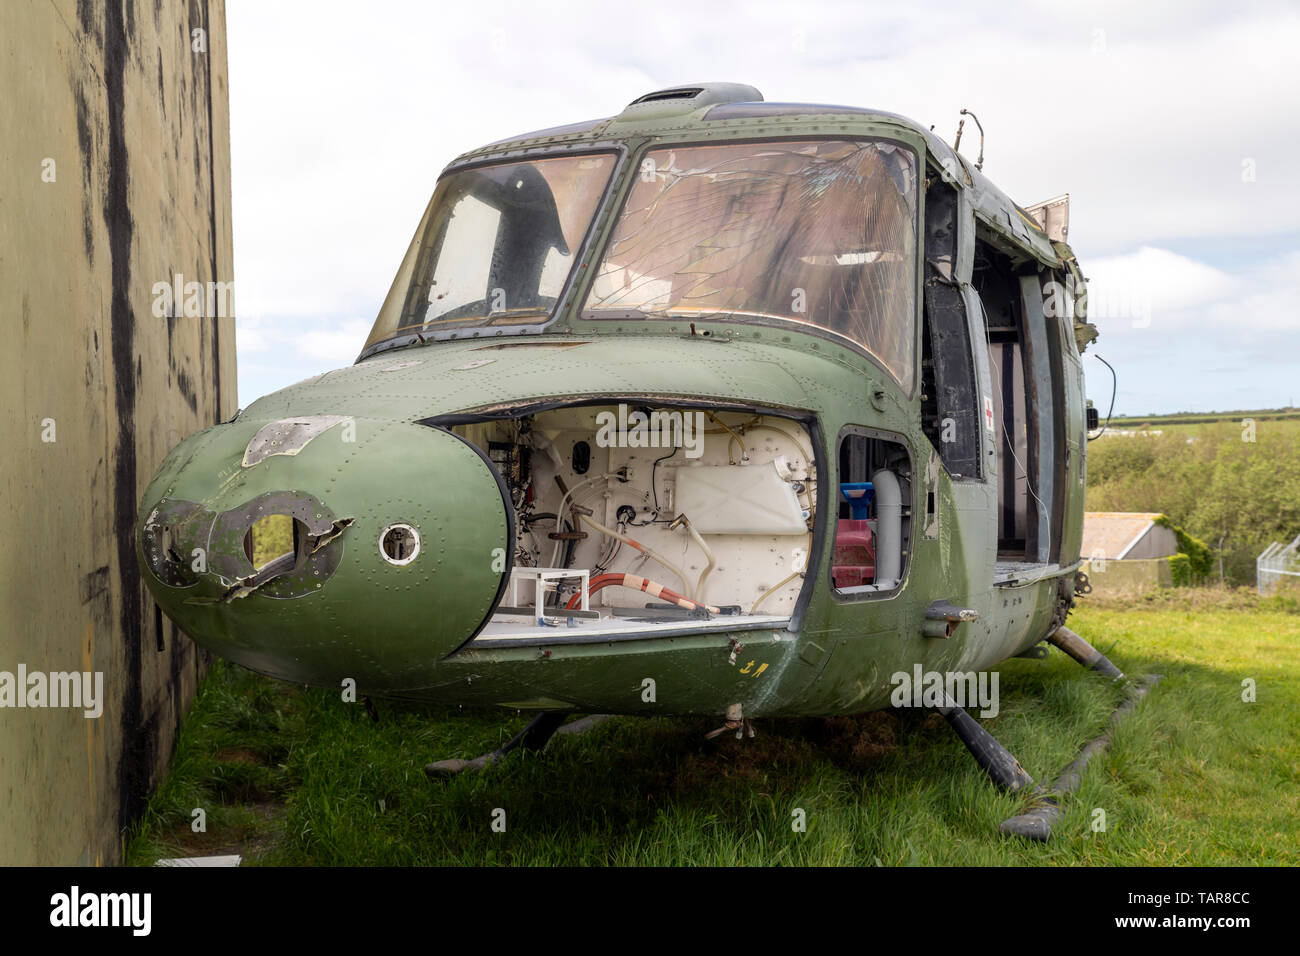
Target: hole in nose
(269, 538)
(399, 544)
(169, 548)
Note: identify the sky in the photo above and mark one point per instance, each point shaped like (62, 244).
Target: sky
(1174, 127)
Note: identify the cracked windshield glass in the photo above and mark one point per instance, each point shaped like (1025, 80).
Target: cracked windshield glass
(817, 233)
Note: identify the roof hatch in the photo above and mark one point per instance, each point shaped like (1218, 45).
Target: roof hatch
(687, 98)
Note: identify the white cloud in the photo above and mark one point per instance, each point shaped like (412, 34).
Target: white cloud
(341, 121)
(1176, 292)
(339, 343)
(1214, 339)
(1153, 283)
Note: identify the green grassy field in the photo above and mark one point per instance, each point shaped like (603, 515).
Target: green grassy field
(1204, 418)
(1196, 776)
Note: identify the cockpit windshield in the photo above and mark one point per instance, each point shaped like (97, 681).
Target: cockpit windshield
(818, 233)
(495, 246)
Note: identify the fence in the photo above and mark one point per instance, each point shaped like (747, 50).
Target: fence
(1274, 563)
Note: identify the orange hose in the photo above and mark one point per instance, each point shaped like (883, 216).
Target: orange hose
(639, 584)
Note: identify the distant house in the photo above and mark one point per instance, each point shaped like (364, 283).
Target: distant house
(1126, 536)
(1127, 550)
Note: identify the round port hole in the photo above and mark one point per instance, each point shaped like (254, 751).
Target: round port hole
(399, 544)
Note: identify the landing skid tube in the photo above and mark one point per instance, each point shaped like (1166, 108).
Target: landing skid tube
(1084, 653)
(1045, 809)
(1037, 823)
(1003, 768)
(533, 737)
(994, 759)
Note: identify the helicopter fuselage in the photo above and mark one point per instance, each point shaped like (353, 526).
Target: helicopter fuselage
(743, 408)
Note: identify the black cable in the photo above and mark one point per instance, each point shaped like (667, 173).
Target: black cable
(614, 550)
(1114, 387)
(653, 487)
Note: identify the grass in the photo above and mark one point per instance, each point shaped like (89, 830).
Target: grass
(1196, 776)
(1203, 418)
(272, 537)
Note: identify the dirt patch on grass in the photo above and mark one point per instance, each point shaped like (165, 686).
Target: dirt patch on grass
(746, 761)
(237, 755)
(857, 741)
(250, 839)
(782, 749)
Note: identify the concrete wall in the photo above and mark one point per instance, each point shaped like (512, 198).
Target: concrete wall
(1128, 576)
(114, 175)
(1158, 542)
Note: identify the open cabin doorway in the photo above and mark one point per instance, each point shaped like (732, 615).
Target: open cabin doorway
(1026, 379)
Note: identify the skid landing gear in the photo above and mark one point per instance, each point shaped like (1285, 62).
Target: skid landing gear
(533, 737)
(1037, 821)
(1005, 771)
(994, 759)
(1084, 653)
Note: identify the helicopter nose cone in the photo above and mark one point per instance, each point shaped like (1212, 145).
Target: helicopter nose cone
(393, 550)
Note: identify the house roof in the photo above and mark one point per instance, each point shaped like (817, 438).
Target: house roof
(1110, 534)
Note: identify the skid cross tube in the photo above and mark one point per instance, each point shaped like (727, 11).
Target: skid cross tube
(535, 736)
(1037, 823)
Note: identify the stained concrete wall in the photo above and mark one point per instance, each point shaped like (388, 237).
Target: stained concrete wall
(114, 175)
(1158, 542)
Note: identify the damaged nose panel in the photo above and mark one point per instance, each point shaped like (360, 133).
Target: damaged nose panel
(400, 569)
(288, 436)
(185, 543)
(174, 537)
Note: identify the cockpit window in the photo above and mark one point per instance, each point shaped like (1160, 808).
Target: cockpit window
(817, 233)
(495, 246)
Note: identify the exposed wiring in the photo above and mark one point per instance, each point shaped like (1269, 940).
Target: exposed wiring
(1029, 484)
(528, 519)
(612, 550)
(653, 486)
(639, 547)
(555, 552)
(776, 587)
(1114, 387)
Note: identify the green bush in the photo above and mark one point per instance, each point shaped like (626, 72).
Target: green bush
(1200, 560)
(1229, 495)
(1180, 570)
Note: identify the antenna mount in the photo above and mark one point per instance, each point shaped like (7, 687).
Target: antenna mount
(979, 163)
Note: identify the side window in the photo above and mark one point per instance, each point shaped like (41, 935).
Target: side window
(949, 410)
(873, 524)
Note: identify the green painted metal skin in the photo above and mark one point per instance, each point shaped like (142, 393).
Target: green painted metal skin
(407, 630)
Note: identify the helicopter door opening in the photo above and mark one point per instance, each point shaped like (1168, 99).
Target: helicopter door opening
(1025, 404)
(873, 523)
(640, 519)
